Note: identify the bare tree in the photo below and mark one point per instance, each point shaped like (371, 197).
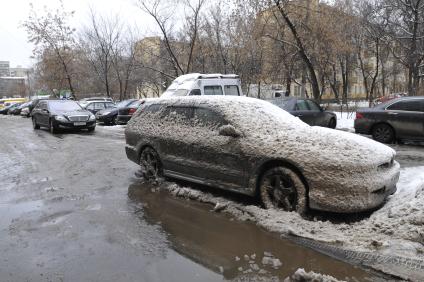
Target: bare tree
(51, 33)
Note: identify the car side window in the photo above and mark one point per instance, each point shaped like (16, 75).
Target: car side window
(99, 106)
(411, 106)
(43, 105)
(213, 90)
(90, 107)
(313, 106)
(109, 105)
(207, 117)
(179, 114)
(231, 90)
(195, 92)
(301, 105)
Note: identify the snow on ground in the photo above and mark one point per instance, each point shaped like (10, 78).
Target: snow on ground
(112, 128)
(396, 229)
(345, 121)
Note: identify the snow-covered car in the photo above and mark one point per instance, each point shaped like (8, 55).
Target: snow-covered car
(252, 147)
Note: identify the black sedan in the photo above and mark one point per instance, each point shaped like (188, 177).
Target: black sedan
(125, 114)
(397, 119)
(109, 115)
(66, 114)
(307, 110)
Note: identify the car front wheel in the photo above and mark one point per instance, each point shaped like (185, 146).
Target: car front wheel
(383, 133)
(281, 188)
(34, 124)
(333, 123)
(52, 128)
(150, 163)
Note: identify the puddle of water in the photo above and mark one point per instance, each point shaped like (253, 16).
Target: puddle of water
(221, 243)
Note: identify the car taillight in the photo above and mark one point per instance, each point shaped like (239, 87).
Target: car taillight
(359, 116)
(131, 111)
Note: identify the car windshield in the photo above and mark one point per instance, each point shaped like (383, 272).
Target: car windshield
(64, 106)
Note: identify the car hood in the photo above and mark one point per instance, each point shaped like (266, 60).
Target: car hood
(72, 113)
(321, 147)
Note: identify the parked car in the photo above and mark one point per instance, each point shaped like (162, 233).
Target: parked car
(125, 113)
(195, 84)
(95, 106)
(397, 119)
(109, 115)
(17, 110)
(62, 114)
(12, 108)
(25, 112)
(253, 147)
(5, 109)
(307, 110)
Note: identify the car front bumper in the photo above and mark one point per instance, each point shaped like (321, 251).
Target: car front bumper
(355, 192)
(71, 125)
(131, 153)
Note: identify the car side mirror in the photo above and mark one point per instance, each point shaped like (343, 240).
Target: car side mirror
(229, 130)
(323, 108)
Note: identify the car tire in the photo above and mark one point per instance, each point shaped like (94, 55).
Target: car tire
(282, 188)
(91, 129)
(52, 128)
(151, 166)
(34, 124)
(332, 123)
(114, 120)
(383, 133)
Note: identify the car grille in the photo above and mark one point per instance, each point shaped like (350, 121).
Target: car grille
(78, 118)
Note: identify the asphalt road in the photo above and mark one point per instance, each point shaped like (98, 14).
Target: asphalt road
(72, 209)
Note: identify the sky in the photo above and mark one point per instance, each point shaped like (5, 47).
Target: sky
(14, 46)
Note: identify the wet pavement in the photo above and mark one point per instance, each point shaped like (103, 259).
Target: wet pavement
(73, 210)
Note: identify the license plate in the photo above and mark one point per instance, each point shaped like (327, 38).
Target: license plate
(79, 123)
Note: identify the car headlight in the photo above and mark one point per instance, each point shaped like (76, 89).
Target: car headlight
(92, 117)
(60, 118)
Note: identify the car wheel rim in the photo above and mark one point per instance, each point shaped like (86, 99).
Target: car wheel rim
(382, 133)
(149, 164)
(280, 191)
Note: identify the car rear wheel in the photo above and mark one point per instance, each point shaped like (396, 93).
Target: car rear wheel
(114, 120)
(282, 188)
(333, 123)
(34, 124)
(383, 133)
(150, 163)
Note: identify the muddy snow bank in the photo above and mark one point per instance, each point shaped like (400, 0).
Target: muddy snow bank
(397, 229)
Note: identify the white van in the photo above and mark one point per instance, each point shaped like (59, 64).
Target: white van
(204, 84)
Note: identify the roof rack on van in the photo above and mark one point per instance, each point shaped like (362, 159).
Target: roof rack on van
(217, 75)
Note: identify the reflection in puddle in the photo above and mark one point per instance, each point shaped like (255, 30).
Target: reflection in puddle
(229, 246)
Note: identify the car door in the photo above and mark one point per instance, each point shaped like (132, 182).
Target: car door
(303, 112)
(176, 138)
(43, 113)
(216, 158)
(318, 116)
(407, 118)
